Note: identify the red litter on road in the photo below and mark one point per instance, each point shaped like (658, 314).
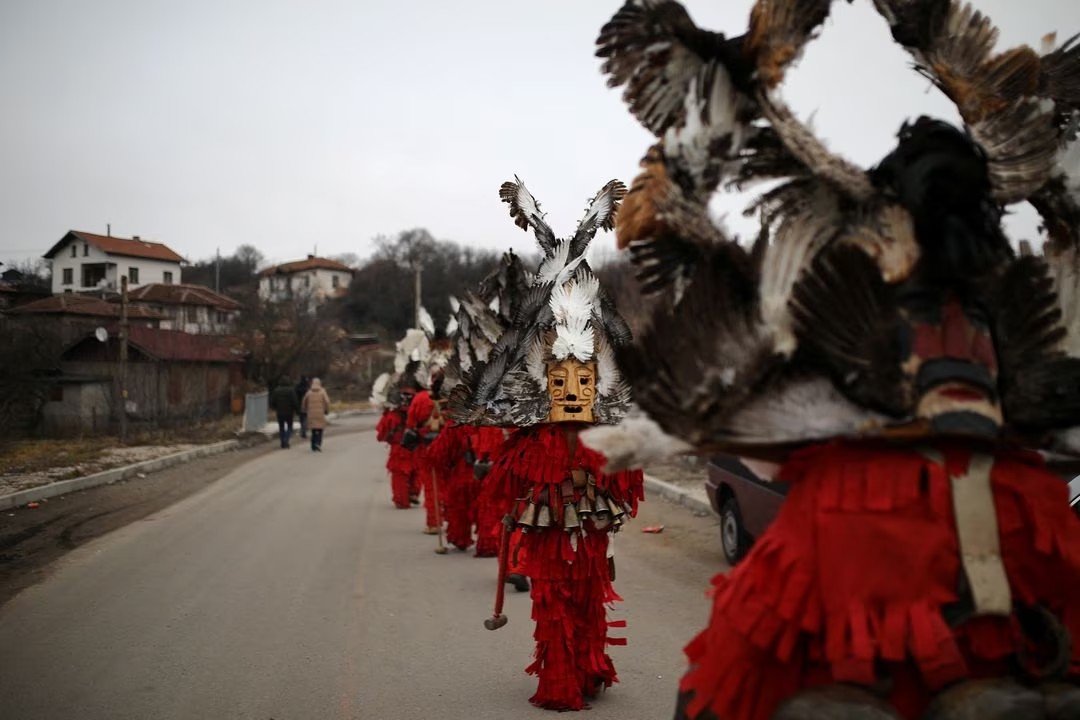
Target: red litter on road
(653, 529)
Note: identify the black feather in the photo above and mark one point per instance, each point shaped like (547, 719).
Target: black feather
(848, 325)
(1040, 386)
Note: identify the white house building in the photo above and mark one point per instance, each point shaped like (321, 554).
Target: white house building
(315, 278)
(83, 261)
(192, 308)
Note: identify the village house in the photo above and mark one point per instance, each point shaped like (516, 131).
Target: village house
(70, 316)
(191, 308)
(315, 279)
(83, 262)
(173, 378)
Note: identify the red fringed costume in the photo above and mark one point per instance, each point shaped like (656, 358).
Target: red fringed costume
(858, 573)
(487, 443)
(425, 420)
(566, 506)
(449, 453)
(399, 463)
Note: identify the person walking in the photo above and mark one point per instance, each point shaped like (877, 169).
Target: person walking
(285, 405)
(316, 405)
(301, 390)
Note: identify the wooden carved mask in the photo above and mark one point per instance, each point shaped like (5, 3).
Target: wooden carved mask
(572, 387)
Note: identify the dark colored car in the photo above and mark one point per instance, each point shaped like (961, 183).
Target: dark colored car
(746, 503)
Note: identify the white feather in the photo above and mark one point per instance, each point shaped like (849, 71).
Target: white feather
(494, 304)
(455, 304)
(1068, 165)
(464, 356)
(534, 362)
(553, 265)
(608, 376)
(574, 300)
(573, 340)
(452, 326)
(426, 323)
(379, 390)
(633, 443)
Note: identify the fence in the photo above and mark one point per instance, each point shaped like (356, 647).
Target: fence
(256, 411)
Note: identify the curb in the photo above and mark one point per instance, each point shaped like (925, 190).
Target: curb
(677, 495)
(107, 477)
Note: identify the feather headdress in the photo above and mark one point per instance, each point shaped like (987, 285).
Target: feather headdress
(564, 314)
(802, 337)
(481, 317)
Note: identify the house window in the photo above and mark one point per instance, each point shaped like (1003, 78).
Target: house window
(222, 318)
(74, 250)
(133, 274)
(167, 278)
(336, 281)
(69, 276)
(307, 281)
(85, 250)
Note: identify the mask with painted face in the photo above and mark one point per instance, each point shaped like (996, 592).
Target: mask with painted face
(572, 387)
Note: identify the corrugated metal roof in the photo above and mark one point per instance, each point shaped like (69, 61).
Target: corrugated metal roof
(73, 304)
(180, 294)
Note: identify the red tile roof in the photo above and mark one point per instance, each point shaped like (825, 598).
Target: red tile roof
(132, 247)
(180, 294)
(177, 345)
(312, 263)
(72, 304)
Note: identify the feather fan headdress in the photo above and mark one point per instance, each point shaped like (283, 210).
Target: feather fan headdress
(802, 337)
(565, 313)
(482, 317)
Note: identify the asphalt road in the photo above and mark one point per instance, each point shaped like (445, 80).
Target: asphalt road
(292, 590)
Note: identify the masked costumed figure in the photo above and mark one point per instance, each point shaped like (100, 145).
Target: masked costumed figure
(481, 318)
(426, 418)
(553, 373)
(392, 393)
(886, 344)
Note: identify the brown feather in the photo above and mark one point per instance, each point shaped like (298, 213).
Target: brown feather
(778, 31)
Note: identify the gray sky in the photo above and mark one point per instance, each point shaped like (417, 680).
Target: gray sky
(289, 124)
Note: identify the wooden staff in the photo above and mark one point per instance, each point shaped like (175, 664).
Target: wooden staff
(441, 550)
(497, 619)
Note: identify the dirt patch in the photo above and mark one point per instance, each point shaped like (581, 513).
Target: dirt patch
(32, 538)
(682, 471)
(29, 463)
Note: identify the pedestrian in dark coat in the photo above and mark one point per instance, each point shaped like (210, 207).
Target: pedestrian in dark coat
(301, 390)
(285, 405)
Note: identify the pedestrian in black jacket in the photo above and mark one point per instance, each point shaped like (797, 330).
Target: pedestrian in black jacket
(301, 390)
(284, 403)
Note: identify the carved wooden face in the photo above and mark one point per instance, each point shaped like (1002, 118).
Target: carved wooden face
(572, 387)
(953, 364)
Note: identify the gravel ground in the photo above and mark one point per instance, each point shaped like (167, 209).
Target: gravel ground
(109, 458)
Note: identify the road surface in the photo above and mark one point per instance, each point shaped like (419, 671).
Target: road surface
(292, 590)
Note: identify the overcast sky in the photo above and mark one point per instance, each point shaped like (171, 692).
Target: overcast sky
(291, 125)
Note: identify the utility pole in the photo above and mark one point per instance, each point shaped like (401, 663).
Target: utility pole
(123, 356)
(217, 272)
(416, 318)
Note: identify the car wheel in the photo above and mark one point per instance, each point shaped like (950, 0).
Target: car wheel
(733, 538)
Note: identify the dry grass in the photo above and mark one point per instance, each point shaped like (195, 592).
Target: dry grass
(28, 456)
(19, 457)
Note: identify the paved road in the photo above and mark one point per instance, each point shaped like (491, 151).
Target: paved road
(291, 590)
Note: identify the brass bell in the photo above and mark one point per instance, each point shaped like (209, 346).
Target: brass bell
(602, 507)
(584, 510)
(543, 517)
(570, 517)
(567, 488)
(528, 516)
(601, 521)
